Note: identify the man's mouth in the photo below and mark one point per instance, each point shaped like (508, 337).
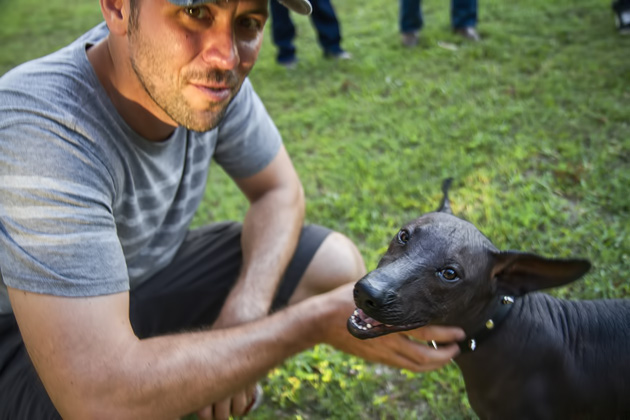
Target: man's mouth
(362, 326)
(217, 93)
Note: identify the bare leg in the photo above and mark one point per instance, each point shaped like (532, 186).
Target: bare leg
(336, 262)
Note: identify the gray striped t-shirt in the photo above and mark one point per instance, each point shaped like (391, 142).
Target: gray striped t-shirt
(87, 206)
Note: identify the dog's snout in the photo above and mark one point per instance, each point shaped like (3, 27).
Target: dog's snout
(367, 296)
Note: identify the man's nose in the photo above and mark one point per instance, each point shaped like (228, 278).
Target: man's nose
(219, 48)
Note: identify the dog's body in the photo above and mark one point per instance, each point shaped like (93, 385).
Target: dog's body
(553, 359)
(528, 355)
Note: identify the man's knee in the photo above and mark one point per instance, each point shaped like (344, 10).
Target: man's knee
(336, 262)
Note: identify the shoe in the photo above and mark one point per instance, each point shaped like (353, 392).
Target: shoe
(469, 32)
(340, 55)
(289, 64)
(409, 39)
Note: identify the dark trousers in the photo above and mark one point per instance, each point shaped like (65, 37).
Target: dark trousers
(323, 18)
(463, 14)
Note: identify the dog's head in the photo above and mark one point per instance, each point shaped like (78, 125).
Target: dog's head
(441, 270)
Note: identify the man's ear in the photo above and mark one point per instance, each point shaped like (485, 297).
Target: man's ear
(518, 273)
(116, 15)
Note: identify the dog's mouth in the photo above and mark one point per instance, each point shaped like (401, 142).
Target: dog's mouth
(362, 326)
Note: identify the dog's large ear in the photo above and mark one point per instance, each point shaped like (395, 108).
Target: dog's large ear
(518, 273)
(445, 205)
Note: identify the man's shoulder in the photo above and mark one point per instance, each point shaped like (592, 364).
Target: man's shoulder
(54, 110)
(58, 78)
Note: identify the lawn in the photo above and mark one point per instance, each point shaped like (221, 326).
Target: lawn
(533, 123)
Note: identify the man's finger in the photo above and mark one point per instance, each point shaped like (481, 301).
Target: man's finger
(438, 334)
(440, 355)
(240, 401)
(222, 409)
(417, 364)
(424, 356)
(205, 413)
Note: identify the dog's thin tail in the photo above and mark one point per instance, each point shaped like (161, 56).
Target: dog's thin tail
(445, 206)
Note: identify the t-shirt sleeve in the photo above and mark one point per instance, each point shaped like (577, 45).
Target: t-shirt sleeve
(248, 140)
(57, 230)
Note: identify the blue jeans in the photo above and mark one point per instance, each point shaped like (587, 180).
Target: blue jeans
(463, 14)
(323, 18)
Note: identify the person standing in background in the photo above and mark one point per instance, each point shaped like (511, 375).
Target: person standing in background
(622, 16)
(463, 20)
(326, 25)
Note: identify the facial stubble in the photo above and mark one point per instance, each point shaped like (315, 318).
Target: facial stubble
(165, 88)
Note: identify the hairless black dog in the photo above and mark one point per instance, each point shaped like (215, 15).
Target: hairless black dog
(527, 355)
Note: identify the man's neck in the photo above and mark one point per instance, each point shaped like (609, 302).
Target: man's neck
(127, 95)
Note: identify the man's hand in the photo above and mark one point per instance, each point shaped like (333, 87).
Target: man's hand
(237, 405)
(400, 350)
(404, 350)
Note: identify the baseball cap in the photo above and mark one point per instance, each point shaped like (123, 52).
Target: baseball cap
(302, 7)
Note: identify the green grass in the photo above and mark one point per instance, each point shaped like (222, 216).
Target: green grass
(532, 123)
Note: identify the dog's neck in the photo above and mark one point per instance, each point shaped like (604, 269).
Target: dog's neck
(496, 313)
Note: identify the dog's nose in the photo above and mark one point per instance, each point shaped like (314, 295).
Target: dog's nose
(368, 297)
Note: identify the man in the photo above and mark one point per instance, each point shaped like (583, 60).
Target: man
(124, 312)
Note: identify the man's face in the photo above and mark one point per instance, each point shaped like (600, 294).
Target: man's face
(192, 60)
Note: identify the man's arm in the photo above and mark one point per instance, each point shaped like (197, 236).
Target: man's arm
(93, 366)
(270, 232)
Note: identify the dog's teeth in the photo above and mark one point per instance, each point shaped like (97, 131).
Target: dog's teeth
(356, 312)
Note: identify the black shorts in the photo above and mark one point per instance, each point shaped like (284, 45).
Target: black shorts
(187, 294)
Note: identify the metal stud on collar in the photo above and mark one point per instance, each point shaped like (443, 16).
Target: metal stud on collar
(507, 300)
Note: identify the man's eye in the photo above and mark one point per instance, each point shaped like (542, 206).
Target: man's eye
(197, 12)
(251, 24)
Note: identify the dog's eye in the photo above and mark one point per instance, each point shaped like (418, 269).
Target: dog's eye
(403, 236)
(448, 274)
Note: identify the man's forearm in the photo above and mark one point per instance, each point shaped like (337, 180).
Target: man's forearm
(169, 376)
(270, 233)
